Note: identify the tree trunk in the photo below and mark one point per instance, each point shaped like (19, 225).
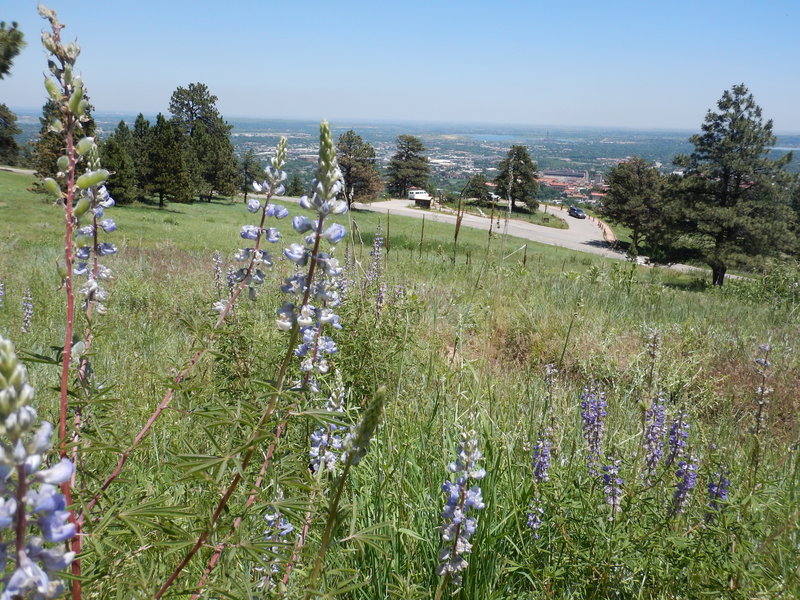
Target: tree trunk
(160, 200)
(718, 274)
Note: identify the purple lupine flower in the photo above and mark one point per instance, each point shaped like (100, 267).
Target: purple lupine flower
(27, 311)
(2, 293)
(593, 417)
(653, 442)
(253, 205)
(375, 267)
(217, 259)
(678, 438)
(277, 535)
(541, 460)
(106, 248)
(460, 498)
(250, 232)
(34, 501)
(535, 514)
(687, 480)
(108, 225)
(327, 441)
(763, 391)
(717, 490)
(612, 485)
(302, 224)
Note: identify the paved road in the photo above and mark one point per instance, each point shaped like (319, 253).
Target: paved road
(583, 234)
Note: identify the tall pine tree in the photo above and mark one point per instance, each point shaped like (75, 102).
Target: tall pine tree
(117, 157)
(408, 167)
(733, 198)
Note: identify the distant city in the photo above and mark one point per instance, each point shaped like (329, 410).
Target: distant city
(572, 161)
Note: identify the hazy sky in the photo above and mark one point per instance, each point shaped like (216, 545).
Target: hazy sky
(614, 63)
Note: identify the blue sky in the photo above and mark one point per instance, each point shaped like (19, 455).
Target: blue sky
(617, 63)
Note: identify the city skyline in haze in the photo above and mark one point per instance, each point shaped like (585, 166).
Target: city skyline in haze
(623, 64)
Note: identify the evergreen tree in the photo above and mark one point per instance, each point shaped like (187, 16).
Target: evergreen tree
(11, 42)
(634, 199)
(195, 113)
(296, 186)
(9, 150)
(732, 200)
(517, 178)
(117, 157)
(140, 150)
(169, 163)
(250, 170)
(408, 167)
(477, 189)
(359, 167)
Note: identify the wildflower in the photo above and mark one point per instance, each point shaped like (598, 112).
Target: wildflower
(718, 489)
(326, 441)
(687, 480)
(217, 259)
(460, 498)
(29, 498)
(357, 441)
(593, 417)
(2, 293)
(375, 267)
(27, 311)
(678, 438)
(653, 438)
(277, 535)
(612, 485)
(541, 466)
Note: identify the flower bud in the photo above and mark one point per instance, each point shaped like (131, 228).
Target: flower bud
(91, 178)
(51, 187)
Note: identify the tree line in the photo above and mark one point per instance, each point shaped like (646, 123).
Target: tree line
(729, 204)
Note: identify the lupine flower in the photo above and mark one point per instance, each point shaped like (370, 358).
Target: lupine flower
(35, 502)
(2, 293)
(763, 391)
(318, 288)
(653, 442)
(277, 535)
(460, 498)
(612, 485)
(717, 490)
(376, 265)
(593, 417)
(541, 467)
(27, 311)
(217, 259)
(96, 200)
(357, 441)
(256, 258)
(328, 440)
(687, 480)
(678, 438)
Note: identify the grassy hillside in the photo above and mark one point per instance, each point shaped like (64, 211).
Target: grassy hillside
(460, 346)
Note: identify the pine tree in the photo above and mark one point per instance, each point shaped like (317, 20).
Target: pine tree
(517, 178)
(359, 168)
(169, 164)
(733, 198)
(140, 150)
(408, 167)
(117, 157)
(194, 112)
(250, 170)
(634, 199)
(9, 150)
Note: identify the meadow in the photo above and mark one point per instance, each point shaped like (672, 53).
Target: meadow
(557, 369)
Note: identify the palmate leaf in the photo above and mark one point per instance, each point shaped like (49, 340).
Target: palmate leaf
(144, 518)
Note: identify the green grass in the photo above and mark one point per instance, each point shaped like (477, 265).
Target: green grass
(463, 346)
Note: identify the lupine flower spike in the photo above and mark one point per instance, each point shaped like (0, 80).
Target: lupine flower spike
(687, 480)
(460, 500)
(593, 417)
(27, 311)
(30, 504)
(612, 485)
(717, 492)
(541, 467)
(678, 438)
(653, 439)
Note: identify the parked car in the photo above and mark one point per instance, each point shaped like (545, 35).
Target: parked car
(576, 212)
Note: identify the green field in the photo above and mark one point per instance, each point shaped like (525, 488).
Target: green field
(460, 339)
